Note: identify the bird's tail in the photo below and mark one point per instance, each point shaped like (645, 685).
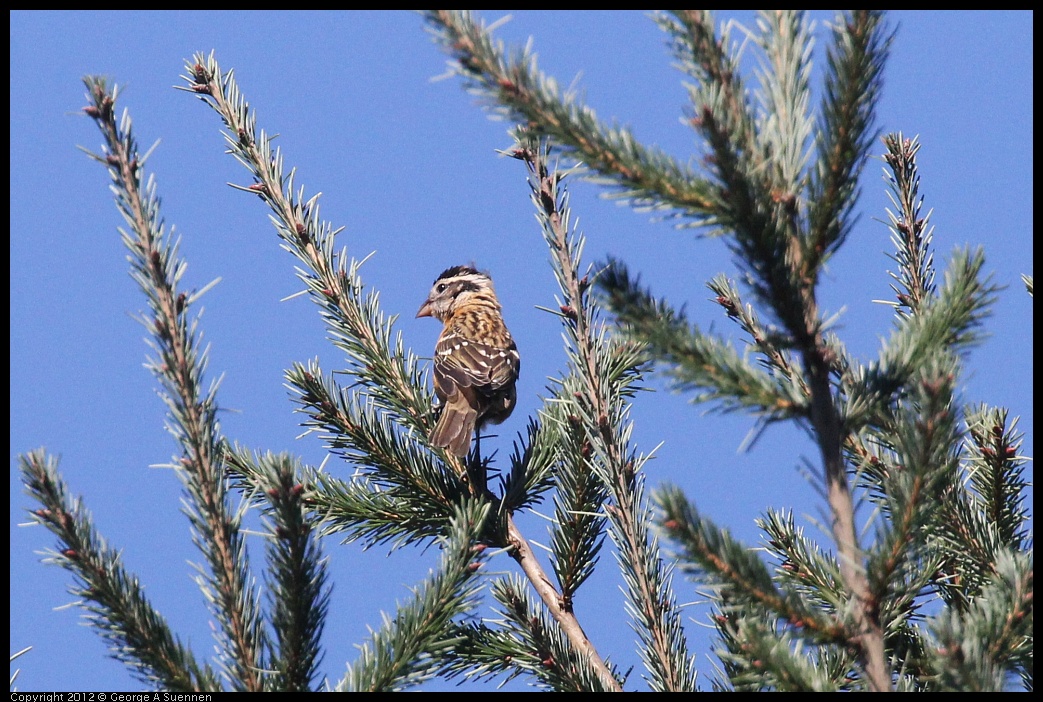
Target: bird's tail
(454, 428)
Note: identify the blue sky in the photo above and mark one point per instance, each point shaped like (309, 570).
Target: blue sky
(409, 166)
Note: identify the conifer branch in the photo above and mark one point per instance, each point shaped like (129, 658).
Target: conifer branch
(713, 65)
(986, 517)
(553, 658)
(579, 531)
(532, 462)
(910, 232)
(761, 213)
(922, 478)
(526, 639)
(299, 592)
(855, 58)
(521, 551)
(929, 320)
(720, 560)
(514, 88)
(784, 97)
(977, 646)
(350, 426)
(411, 647)
(772, 662)
(997, 473)
(605, 371)
(945, 483)
(763, 218)
(361, 427)
(381, 366)
(703, 363)
(114, 600)
(180, 367)
(782, 188)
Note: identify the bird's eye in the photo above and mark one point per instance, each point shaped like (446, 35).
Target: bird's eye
(441, 287)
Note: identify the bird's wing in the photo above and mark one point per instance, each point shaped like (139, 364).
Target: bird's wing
(472, 363)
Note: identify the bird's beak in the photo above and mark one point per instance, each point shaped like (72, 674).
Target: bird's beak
(425, 309)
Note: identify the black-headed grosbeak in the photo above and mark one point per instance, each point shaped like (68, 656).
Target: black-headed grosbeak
(476, 360)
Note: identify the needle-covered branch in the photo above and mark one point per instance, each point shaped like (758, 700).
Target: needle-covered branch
(525, 640)
(113, 598)
(180, 366)
(300, 596)
(702, 363)
(412, 646)
(606, 371)
(513, 87)
(382, 423)
(927, 585)
(379, 362)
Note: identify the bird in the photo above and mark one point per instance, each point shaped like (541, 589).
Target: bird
(476, 363)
